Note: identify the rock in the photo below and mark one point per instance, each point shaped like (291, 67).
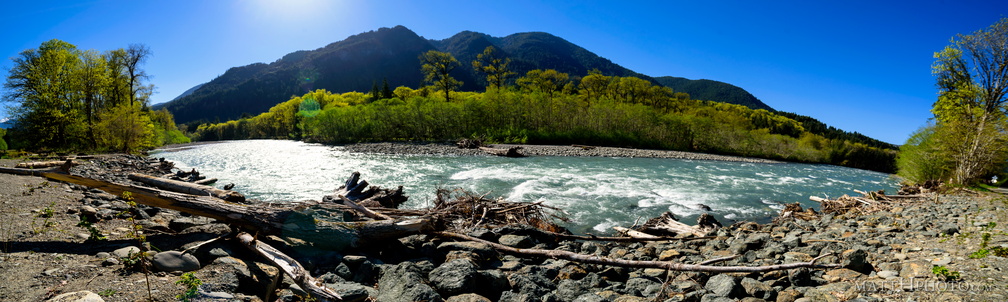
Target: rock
(533, 285)
(110, 261)
(793, 257)
(942, 261)
(350, 291)
(638, 286)
(125, 252)
(172, 261)
(482, 250)
(404, 282)
(568, 290)
(916, 269)
(888, 274)
(516, 241)
(492, 283)
(715, 298)
(219, 252)
(455, 277)
(723, 285)
(788, 295)
(467, 298)
(758, 289)
(841, 274)
(855, 259)
(572, 271)
(667, 255)
(800, 277)
(81, 296)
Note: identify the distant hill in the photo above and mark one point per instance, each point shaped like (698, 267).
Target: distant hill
(713, 91)
(188, 92)
(360, 61)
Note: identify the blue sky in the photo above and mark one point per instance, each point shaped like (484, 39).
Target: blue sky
(858, 65)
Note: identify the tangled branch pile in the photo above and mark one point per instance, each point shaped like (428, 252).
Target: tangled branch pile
(463, 210)
(868, 203)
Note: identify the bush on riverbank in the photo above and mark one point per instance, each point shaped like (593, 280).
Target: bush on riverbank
(659, 121)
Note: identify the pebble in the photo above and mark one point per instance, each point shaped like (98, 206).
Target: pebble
(126, 251)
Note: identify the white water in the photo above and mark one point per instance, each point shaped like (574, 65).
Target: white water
(596, 192)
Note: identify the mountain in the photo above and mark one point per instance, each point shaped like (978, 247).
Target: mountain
(189, 91)
(360, 61)
(713, 91)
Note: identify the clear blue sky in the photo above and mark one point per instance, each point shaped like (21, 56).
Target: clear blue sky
(858, 65)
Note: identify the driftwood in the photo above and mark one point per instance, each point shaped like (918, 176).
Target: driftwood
(867, 203)
(44, 164)
(291, 267)
(359, 191)
(205, 181)
(634, 234)
(508, 152)
(310, 221)
(187, 188)
(668, 224)
(668, 265)
(63, 167)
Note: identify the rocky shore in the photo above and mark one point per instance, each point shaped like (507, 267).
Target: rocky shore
(541, 150)
(883, 256)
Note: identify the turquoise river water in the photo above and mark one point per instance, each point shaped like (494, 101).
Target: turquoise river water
(596, 192)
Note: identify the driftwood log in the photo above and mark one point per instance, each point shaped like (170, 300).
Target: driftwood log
(187, 187)
(291, 267)
(43, 164)
(312, 221)
(506, 152)
(667, 224)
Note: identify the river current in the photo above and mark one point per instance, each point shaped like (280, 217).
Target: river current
(597, 193)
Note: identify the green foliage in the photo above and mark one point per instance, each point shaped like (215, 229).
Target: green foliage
(495, 67)
(539, 114)
(3, 143)
(126, 128)
(944, 273)
(919, 159)
(94, 233)
(191, 283)
(969, 140)
(67, 99)
(107, 292)
(46, 215)
(437, 67)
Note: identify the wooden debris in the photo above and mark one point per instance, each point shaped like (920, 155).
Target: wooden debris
(187, 188)
(867, 203)
(506, 152)
(668, 265)
(360, 192)
(667, 223)
(45, 164)
(291, 267)
(463, 210)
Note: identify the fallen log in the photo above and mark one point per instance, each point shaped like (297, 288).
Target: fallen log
(187, 188)
(63, 168)
(634, 234)
(43, 164)
(205, 181)
(668, 224)
(508, 152)
(312, 221)
(668, 265)
(291, 267)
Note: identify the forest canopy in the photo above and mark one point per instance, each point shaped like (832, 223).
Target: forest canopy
(550, 107)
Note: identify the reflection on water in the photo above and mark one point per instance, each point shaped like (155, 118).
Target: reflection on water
(596, 192)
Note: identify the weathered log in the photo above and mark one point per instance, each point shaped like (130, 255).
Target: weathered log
(43, 164)
(509, 152)
(205, 181)
(291, 267)
(634, 234)
(360, 192)
(309, 221)
(63, 168)
(668, 265)
(668, 224)
(187, 188)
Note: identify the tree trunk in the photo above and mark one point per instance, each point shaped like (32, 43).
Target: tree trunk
(187, 187)
(308, 221)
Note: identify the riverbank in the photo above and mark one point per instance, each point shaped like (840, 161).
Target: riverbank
(542, 150)
(886, 256)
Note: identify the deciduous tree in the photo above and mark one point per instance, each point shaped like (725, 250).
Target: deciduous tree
(437, 68)
(495, 67)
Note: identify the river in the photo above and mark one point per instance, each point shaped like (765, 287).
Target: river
(596, 192)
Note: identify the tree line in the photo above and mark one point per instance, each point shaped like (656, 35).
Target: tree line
(68, 99)
(547, 107)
